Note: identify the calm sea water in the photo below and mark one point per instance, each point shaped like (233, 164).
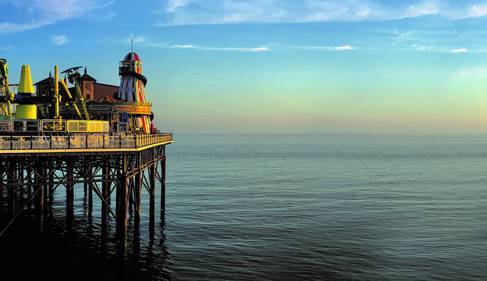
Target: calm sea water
(284, 208)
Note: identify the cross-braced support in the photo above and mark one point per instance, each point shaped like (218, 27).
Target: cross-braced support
(27, 178)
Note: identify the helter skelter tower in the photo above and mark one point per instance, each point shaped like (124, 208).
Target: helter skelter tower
(132, 89)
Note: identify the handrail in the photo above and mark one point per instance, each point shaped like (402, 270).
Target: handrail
(82, 141)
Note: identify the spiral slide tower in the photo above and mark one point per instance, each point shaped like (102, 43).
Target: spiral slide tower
(132, 89)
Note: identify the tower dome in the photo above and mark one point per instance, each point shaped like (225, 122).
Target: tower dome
(132, 56)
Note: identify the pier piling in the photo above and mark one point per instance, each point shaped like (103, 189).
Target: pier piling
(125, 171)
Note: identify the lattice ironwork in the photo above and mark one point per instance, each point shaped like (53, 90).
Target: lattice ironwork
(32, 179)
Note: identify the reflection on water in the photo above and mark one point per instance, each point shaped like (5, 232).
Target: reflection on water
(76, 244)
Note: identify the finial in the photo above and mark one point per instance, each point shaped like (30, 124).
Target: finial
(85, 70)
(132, 46)
(50, 74)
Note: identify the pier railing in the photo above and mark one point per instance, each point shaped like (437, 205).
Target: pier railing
(81, 141)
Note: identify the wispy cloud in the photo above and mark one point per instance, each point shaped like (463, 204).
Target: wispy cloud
(423, 9)
(182, 46)
(439, 49)
(423, 48)
(59, 40)
(190, 12)
(344, 48)
(223, 49)
(325, 48)
(48, 12)
(136, 39)
(459, 51)
(141, 40)
(173, 5)
(478, 10)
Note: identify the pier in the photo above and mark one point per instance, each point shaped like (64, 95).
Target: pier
(33, 168)
(78, 136)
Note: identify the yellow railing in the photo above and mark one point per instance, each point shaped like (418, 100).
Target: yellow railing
(81, 141)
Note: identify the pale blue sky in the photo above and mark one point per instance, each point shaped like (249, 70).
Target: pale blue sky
(310, 66)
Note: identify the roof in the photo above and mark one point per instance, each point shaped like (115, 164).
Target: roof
(87, 77)
(132, 56)
(107, 85)
(107, 99)
(45, 81)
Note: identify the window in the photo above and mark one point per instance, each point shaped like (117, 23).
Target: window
(87, 86)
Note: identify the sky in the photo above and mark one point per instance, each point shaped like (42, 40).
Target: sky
(272, 66)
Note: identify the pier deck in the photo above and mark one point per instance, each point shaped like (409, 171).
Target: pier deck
(79, 143)
(33, 168)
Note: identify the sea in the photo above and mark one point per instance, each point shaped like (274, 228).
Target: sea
(280, 207)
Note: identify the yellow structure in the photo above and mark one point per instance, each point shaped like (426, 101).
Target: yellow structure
(87, 126)
(65, 87)
(56, 93)
(26, 88)
(4, 74)
(26, 111)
